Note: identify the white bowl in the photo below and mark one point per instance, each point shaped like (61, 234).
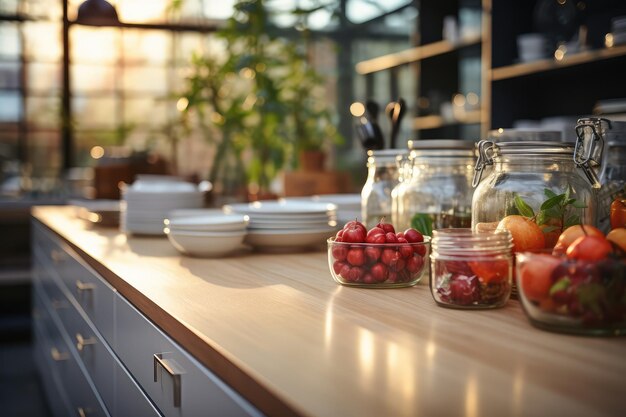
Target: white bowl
(210, 223)
(205, 244)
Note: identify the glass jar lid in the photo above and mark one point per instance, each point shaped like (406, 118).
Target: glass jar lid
(384, 156)
(466, 242)
(524, 135)
(442, 148)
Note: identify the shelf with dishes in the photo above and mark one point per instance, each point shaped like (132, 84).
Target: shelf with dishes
(561, 60)
(415, 54)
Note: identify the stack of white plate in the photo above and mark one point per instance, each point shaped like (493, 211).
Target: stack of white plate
(206, 234)
(280, 226)
(348, 205)
(618, 30)
(145, 204)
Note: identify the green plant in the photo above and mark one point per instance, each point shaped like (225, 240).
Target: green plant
(259, 103)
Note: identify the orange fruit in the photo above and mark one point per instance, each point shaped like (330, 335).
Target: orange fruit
(572, 233)
(527, 235)
(618, 236)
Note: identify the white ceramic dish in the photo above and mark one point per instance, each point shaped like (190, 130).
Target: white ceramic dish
(288, 241)
(194, 212)
(276, 208)
(292, 226)
(221, 222)
(203, 245)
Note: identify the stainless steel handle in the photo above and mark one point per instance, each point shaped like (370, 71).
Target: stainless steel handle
(81, 286)
(81, 412)
(81, 342)
(58, 356)
(160, 363)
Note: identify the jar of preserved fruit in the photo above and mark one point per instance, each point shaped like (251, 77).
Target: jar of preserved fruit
(382, 177)
(470, 269)
(438, 193)
(535, 180)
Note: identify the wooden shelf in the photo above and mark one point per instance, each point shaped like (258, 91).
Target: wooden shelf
(415, 54)
(436, 121)
(528, 68)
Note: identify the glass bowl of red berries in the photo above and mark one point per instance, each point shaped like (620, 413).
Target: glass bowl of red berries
(379, 257)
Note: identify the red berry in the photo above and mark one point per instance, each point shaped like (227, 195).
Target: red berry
(405, 250)
(368, 278)
(372, 254)
(393, 276)
(398, 264)
(376, 235)
(355, 223)
(413, 236)
(388, 256)
(400, 235)
(414, 263)
(419, 249)
(345, 270)
(391, 238)
(379, 271)
(387, 227)
(355, 274)
(337, 266)
(464, 290)
(354, 232)
(340, 252)
(356, 256)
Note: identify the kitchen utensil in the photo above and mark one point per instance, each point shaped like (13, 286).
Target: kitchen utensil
(372, 115)
(395, 111)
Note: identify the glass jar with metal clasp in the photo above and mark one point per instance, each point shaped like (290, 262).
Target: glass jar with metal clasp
(537, 180)
(382, 177)
(601, 150)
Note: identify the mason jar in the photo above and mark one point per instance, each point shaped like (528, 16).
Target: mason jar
(382, 177)
(534, 179)
(607, 137)
(438, 193)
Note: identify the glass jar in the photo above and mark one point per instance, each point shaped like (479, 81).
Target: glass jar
(438, 193)
(524, 176)
(469, 269)
(609, 138)
(382, 177)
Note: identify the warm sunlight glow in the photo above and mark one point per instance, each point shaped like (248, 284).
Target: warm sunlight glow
(357, 109)
(141, 10)
(182, 104)
(97, 152)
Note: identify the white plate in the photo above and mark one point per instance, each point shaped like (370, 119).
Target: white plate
(288, 241)
(280, 208)
(194, 212)
(210, 221)
(206, 246)
(292, 226)
(169, 230)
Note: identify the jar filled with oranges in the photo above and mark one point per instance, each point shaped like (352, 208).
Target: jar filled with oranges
(534, 189)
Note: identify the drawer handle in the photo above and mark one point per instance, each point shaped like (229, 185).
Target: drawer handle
(81, 412)
(81, 342)
(57, 256)
(58, 356)
(159, 363)
(81, 286)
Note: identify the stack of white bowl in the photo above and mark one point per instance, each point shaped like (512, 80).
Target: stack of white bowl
(205, 233)
(146, 203)
(348, 205)
(287, 226)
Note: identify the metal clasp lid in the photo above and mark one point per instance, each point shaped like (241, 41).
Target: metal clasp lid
(485, 152)
(590, 144)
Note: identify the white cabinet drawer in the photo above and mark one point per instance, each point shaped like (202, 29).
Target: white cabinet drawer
(75, 385)
(130, 399)
(85, 287)
(178, 384)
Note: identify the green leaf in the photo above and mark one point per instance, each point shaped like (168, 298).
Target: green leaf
(423, 223)
(579, 204)
(552, 201)
(561, 284)
(549, 193)
(522, 207)
(549, 229)
(571, 220)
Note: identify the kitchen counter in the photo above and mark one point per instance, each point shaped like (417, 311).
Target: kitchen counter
(283, 334)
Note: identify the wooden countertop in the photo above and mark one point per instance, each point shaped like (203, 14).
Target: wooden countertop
(281, 332)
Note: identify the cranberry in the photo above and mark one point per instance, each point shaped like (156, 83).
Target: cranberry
(400, 235)
(340, 252)
(355, 274)
(391, 238)
(356, 256)
(387, 227)
(355, 223)
(375, 235)
(339, 236)
(419, 249)
(379, 271)
(393, 277)
(368, 278)
(406, 250)
(414, 263)
(413, 235)
(338, 266)
(372, 254)
(345, 270)
(354, 232)
(398, 264)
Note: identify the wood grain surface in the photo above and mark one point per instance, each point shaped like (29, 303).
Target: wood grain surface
(281, 332)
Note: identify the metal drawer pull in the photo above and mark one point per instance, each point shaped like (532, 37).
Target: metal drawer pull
(57, 256)
(81, 412)
(158, 360)
(81, 286)
(58, 356)
(81, 342)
